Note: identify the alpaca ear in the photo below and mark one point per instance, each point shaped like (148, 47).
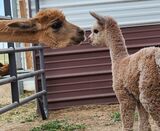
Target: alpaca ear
(28, 25)
(99, 18)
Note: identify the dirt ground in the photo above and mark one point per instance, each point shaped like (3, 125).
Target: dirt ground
(5, 94)
(94, 117)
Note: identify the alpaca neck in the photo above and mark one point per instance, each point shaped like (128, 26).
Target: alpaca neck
(27, 37)
(116, 44)
(9, 35)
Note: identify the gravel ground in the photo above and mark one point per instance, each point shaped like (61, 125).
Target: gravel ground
(95, 117)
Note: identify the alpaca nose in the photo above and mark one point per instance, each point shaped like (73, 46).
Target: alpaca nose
(81, 32)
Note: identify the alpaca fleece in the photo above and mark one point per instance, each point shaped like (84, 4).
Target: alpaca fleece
(136, 77)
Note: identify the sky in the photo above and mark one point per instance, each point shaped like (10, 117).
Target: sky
(1, 8)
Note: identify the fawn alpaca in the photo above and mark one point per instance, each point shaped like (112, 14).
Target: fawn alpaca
(136, 77)
(48, 27)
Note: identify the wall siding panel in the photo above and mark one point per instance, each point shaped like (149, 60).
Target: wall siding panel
(126, 12)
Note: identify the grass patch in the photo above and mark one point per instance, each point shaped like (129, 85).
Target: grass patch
(116, 117)
(59, 126)
(29, 118)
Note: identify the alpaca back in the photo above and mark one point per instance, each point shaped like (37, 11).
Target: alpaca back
(157, 57)
(129, 70)
(151, 55)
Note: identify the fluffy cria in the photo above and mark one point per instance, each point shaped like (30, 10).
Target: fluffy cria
(136, 77)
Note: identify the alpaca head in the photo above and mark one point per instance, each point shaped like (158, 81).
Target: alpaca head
(100, 33)
(50, 28)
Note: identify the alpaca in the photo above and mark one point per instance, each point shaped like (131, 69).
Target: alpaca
(4, 69)
(48, 27)
(136, 77)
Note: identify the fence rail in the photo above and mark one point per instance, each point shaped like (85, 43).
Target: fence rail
(11, 49)
(21, 102)
(13, 79)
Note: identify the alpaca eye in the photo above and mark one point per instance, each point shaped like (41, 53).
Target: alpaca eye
(95, 31)
(56, 25)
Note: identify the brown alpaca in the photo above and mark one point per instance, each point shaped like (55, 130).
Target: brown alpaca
(48, 27)
(136, 78)
(4, 69)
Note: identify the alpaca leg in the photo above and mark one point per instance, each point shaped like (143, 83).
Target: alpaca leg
(149, 88)
(127, 115)
(152, 105)
(127, 108)
(144, 124)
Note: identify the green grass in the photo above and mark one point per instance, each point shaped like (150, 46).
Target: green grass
(116, 117)
(30, 118)
(59, 126)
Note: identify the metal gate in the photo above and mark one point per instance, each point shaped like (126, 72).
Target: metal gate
(13, 79)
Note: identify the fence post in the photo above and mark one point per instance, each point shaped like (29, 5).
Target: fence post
(44, 102)
(13, 72)
(12, 59)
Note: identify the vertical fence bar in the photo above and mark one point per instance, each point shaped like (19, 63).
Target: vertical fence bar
(30, 9)
(43, 104)
(13, 72)
(43, 81)
(12, 58)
